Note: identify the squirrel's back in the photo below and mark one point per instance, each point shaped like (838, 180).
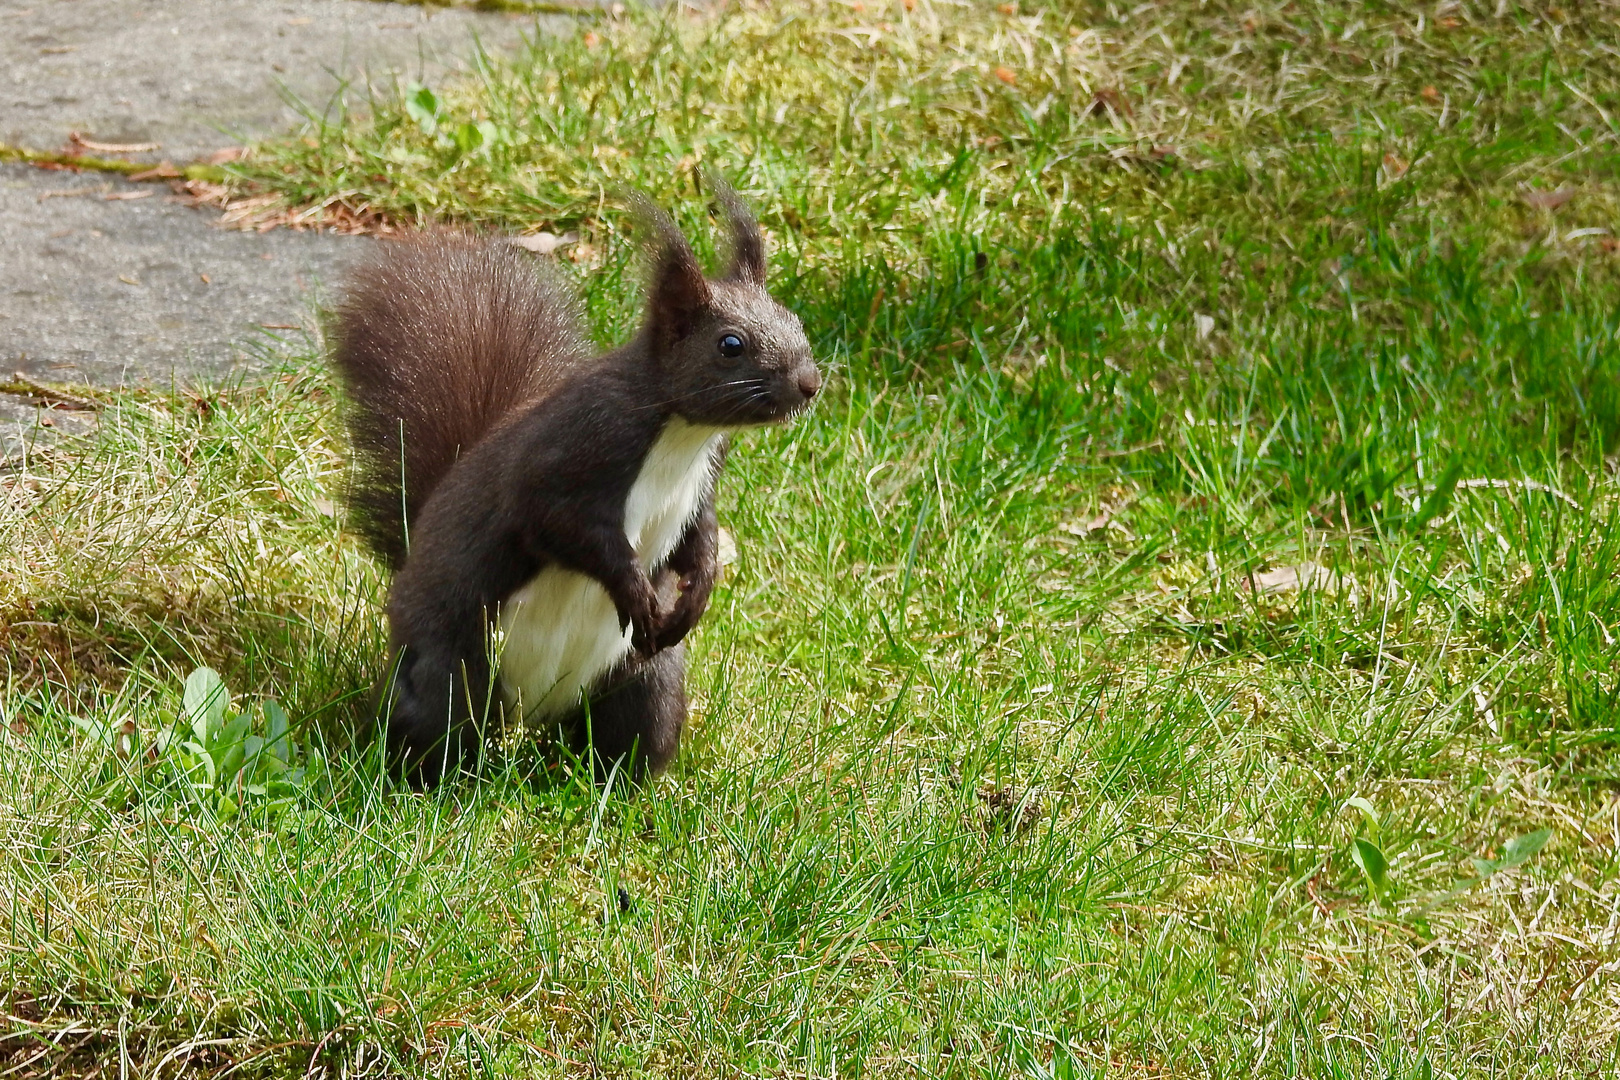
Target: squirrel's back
(437, 339)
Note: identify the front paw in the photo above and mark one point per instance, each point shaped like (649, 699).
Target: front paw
(690, 604)
(641, 613)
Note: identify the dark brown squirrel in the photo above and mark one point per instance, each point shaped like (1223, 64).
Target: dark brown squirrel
(549, 516)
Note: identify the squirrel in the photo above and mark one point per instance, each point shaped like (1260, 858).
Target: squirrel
(548, 516)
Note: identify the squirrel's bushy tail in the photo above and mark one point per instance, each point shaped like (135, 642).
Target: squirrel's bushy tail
(436, 340)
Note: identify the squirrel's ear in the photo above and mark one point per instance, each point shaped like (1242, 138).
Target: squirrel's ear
(677, 293)
(747, 243)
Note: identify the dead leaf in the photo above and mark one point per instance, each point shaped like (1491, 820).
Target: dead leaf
(1102, 521)
(1395, 167)
(1007, 9)
(725, 548)
(303, 20)
(229, 153)
(1430, 93)
(591, 39)
(1007, 809)
(163, 170)
(1007, 75)
(1087, 527)
(261, 213)
(127, 280)
(544, 243)
(203, 193)
(1549, 200)
(124, 742)
(127, 196)
(1205, 325)
(1104, 100)
(1287, 579)
(325, 507)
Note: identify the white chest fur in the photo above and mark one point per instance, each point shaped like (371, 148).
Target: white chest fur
(560, 632)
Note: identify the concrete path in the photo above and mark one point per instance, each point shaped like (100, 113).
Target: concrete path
(114, 290)
(110, 282)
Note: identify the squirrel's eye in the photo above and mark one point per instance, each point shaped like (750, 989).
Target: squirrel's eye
(731, 345)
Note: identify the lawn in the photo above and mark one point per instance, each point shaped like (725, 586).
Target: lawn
(1182, 641)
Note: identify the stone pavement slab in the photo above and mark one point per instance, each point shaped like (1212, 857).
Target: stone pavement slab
(197, 75)
(115, 283)
(114, 290)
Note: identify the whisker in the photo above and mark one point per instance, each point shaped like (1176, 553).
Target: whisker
(757, 395)
(717, 389)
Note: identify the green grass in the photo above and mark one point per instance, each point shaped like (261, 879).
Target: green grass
(1009, 757)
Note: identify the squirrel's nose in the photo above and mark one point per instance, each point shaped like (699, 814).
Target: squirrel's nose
(809, 383)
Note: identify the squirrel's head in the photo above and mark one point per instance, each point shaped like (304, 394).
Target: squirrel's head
(733, 356)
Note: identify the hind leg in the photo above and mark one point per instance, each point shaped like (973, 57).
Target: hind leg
(636, 721)
(425, 709)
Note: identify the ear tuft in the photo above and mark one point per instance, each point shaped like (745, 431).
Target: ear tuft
(677, 293)
(747, 243)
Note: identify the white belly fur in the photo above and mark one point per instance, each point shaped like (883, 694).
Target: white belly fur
(560, 633)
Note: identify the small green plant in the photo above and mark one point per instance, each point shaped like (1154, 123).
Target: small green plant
(458, 140)
(224, 759)
(422, 105)
(1516, 852)
(213, 754)
(1369, 857)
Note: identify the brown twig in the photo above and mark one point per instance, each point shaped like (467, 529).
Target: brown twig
(21, 385)
(143, 170)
